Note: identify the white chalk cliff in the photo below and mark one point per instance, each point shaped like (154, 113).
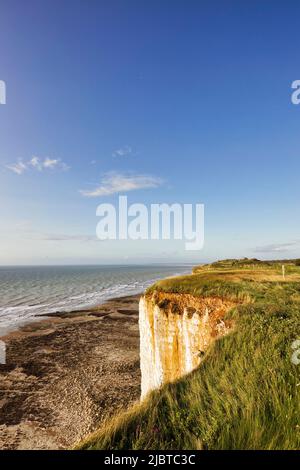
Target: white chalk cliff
(175, 332)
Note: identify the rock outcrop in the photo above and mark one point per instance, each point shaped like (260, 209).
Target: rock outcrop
(175, 332)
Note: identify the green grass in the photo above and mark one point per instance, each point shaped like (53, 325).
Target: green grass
(247, 263)
(245, 394)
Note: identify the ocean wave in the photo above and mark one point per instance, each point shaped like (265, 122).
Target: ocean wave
(12, 316)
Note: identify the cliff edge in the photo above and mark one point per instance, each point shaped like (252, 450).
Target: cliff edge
(175, 332)
(218, 362)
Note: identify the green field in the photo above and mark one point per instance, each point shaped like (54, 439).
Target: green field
(246, 393)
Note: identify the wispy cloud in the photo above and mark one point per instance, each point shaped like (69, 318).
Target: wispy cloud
(66, 237)
(122, 152)
(38, 164)
(112, 183)
(25, 229)
(278, 247)
(18, 167)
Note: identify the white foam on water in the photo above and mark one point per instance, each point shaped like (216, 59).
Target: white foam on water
(14, 316)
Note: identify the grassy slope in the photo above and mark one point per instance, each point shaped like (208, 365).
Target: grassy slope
(246, 393)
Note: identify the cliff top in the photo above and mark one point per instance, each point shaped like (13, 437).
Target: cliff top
(246, 393)
(231, 279)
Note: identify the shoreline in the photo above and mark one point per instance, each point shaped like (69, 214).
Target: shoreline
(39, 307)
(66, 372)
(38, 318)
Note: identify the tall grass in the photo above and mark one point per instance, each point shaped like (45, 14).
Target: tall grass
(245, 394)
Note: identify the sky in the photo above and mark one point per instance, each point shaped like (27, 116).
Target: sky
(163, 101)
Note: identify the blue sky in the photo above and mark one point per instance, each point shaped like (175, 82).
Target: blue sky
(190, 100)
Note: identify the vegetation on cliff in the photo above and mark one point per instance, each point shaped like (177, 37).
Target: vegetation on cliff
(246, 392)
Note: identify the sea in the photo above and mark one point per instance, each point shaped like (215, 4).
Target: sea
(30, 291)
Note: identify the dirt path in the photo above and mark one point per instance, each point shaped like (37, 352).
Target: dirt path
(66, 373)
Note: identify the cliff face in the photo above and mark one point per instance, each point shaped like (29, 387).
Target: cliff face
(175, 332)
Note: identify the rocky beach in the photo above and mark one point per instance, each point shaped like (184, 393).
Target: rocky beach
(67, 373)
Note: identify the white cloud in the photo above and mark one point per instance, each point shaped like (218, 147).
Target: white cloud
(38, 164)
(123, 151)
(18, 168)
(113, 183)
(50, 163)
(277, 248)
(35, 162)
